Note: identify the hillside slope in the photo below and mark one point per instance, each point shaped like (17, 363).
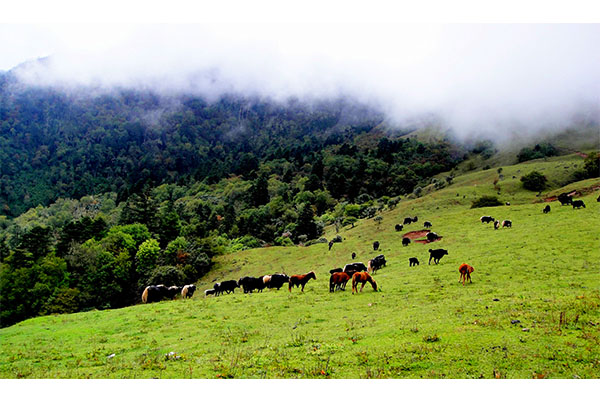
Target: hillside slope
(531, 311)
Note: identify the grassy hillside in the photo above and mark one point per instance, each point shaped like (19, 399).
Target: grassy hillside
(543, 272)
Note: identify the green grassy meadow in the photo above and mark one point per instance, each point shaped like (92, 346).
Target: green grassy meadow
(544, 272)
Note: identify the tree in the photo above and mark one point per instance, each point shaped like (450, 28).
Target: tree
(534, 181)
(259, 191)
(486, 201)
(306, 224)
(146, 258)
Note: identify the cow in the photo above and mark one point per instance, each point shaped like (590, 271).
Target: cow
(427, 224)
(507, 203)
(507, 223)
(353, 255)
(208, 292)
(546, 209)
(301, 280)
(225, 287)
(405, 241)
(496, 224)
(578, 204)
(376, 263)
(338, 281)
(250, 283)
(173, 291)
(415, 219)
(413, 261)
(375, 246)
(398, 227)
(333, 271)
(436, 255)
(487, 219)
(354, 267)
(154, 293)
(277, 281)
(330, 245)
(565, 199)
(188, 291)
(465, 273)
(432, 236)
(407, 221)
(598, 199)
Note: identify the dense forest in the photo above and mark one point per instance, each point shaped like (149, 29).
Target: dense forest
(104, 193)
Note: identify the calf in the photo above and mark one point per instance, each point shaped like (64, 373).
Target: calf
(407, 221)
(398, 227)
(487, 219)
(375, 246)
(465, 273)
(436, 255)
(496, 224)
(208, 292)
(413, 261)
(353, 255)
(188, 291)
(427, 224)
(405, 241)
(330, 245)
(507, 223)
(173, 291)
(546, 209)
(578, 204)
(415, 219)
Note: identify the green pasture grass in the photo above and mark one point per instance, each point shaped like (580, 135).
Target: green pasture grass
(543, 272)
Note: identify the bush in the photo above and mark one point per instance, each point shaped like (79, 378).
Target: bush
(166, 275)
(534, 181)
(486, 201)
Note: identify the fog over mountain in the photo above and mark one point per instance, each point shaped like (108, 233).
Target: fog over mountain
(494, 81)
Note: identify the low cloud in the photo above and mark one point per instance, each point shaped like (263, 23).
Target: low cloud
(479, 80)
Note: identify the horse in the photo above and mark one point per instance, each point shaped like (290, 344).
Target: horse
(465, 273)
(301, 280)
(338, 281)
(362, 277)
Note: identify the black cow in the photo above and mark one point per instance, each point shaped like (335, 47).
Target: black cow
(598, 199)
(415, 219)
(436, 255)
(546, 209)
(375, 246)
(208, 292)
(330, 245)
(405, 241)
(333, 271)
(154, 293)
(353, 255)
(427, 224)
(250, 283)
(507, 223)
(188, 291)
(413, 261)
(578, 204)
(277, 281)
(496, 224)
(225, 287)
(565, 199)
(432, 236)
(398, 227)
(487, 219)
(377, 263)
(173, 291)
(350, 269)
(407, 221)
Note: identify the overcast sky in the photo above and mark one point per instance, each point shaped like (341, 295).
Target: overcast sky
(476, 77)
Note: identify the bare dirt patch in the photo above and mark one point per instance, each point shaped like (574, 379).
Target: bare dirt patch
(415, 235)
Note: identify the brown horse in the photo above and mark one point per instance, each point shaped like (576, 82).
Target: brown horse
(465, 273)
(338, 281)
(362, 277)
(301, 280)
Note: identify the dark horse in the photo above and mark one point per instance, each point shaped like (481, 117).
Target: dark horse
(301, 280)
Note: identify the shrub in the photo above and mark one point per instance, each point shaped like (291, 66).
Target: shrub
(534, 181)
(166, 275)
(486, 201)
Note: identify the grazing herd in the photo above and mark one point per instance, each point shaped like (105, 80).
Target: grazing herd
(339, 277)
